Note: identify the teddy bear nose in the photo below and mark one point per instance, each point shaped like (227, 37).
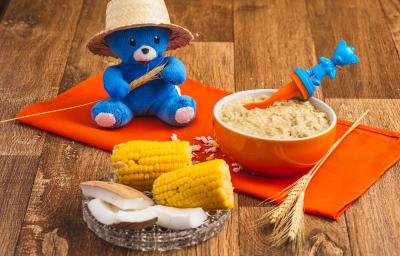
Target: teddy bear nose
(145, 50)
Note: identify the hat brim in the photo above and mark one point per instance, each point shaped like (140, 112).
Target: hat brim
(179, 37)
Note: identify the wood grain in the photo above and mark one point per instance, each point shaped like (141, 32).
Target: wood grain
(391, 10)
(81, 62)
(271, 39)
(217, 71)
(374, 220)
(54, 244)
(33, 56)
(55, 201)
(362, 24)
(30, 62)
(208, 20)
(16, 181)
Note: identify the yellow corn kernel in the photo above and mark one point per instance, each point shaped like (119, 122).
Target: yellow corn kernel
(138, 163)
(207, 185)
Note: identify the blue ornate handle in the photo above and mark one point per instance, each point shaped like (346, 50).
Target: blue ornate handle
(342, 56)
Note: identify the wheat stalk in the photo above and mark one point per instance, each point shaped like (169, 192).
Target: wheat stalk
(151, 75)
(288, 217)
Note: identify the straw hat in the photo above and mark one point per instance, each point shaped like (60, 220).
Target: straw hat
(126, 14)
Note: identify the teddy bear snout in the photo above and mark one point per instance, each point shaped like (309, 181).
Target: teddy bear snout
(144, 53)
(145, 50)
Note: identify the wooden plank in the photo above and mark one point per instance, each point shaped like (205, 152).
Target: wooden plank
(208, 20)
(271, 38)
(81, 62)
(373, 220)
(209, 63)
(391, 10)
(363, 25)
(33, 55)
(55, 203)
(30, 62)
(16, 181)
(61, 163)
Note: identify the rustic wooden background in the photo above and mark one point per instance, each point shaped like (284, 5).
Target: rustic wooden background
(239, 45)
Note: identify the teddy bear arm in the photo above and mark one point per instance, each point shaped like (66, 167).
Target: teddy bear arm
(114, 83)
(174, 72)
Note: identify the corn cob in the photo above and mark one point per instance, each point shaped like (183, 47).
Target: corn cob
(138, 163)
(207, 185)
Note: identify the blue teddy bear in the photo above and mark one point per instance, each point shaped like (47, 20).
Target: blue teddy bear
(140, 50)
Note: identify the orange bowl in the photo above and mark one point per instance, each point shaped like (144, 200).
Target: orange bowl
(272, 157)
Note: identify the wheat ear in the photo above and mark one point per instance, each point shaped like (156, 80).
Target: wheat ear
(288, 217)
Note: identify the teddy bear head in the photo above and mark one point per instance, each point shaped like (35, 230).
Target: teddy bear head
(344, 54)
(139, 45)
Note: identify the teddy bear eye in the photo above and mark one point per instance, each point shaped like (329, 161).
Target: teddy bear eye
(156, 39)
(132, 42)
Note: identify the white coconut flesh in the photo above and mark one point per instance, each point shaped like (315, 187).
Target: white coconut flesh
(103, 212)
(136, 216)
(109, 215)
(119, 195)
(179, 218)
(168, 217)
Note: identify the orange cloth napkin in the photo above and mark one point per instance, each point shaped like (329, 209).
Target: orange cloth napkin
(354, 166)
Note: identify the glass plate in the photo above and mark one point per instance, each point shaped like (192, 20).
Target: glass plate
(156, 238)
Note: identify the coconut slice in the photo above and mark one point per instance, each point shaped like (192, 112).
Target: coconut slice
(164, 216)
(119, 195)
(103, 212)
(136, 219)
(179, 218)
(110, 215)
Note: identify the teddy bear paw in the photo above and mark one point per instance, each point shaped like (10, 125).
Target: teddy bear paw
(184, 115)
(105, 120)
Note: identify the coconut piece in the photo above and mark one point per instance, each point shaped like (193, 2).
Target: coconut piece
(119, 195)
(136, 216)
(103, 212)
(179, 218)
(164, 216)
(108, 214)
(136, 219)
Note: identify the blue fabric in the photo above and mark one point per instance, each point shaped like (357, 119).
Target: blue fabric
(140, 50)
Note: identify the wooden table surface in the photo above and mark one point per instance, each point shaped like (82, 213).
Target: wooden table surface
(240, 44)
